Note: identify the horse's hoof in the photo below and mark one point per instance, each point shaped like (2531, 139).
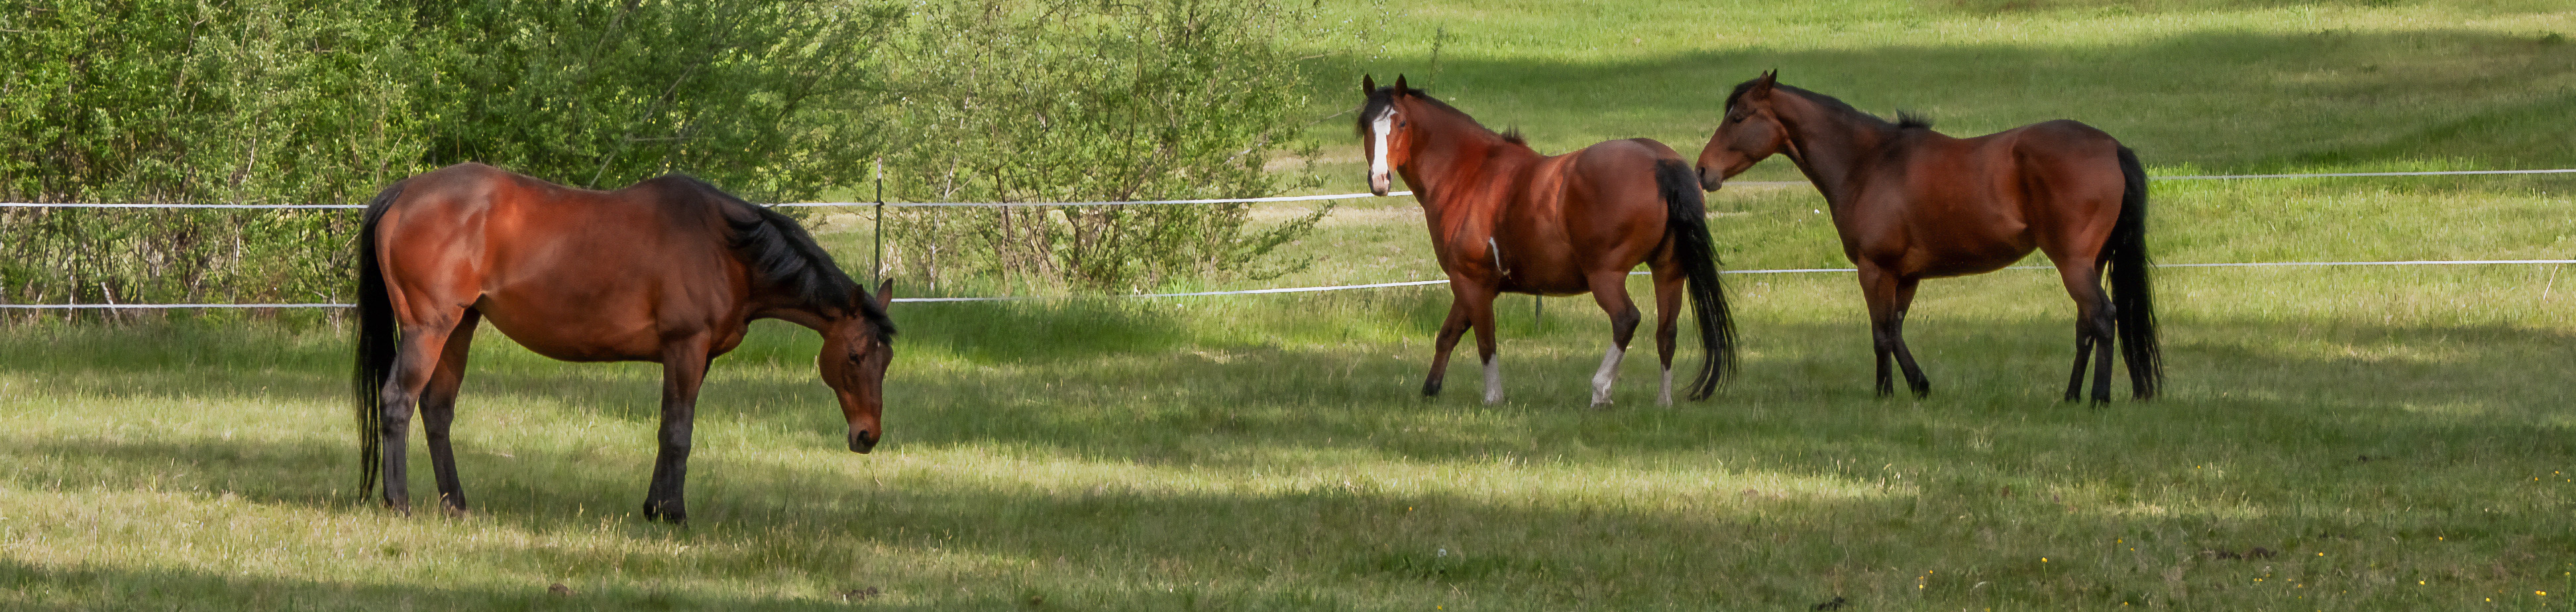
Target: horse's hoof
(656, 512)
(1600, 406)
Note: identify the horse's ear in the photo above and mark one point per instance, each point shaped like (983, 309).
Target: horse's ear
(1762, 86)
(885, 294)
(1399, 84)
(1368, 84)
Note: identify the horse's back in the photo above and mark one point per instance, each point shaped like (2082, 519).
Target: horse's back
(2071, 182)
(2058, 183)
(1972, 205)
(571, 273)
(1616, 213)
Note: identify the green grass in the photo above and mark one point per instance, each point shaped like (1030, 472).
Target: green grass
(2193, 86)
(2401, 437)
(1270, 454)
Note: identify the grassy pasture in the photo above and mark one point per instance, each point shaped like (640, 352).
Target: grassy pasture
(2399, 438)
(2193, 85)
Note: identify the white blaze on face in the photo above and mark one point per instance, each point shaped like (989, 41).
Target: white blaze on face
(1378, 128)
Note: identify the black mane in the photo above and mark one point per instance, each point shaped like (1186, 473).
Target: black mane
(778, 252)
(1904, 119)
(1907, 120)
(1385, 97)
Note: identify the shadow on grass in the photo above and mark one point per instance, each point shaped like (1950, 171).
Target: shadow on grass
(2327, 428)
(40, 588)
(2288, 101)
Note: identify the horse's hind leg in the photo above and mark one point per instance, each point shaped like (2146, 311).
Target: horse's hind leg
(1480, 315)
(1668, 314)
(2083, 350)
(438, 409)
(1447, 341)
(414, 361)
(2093, 328)
(1610, 290)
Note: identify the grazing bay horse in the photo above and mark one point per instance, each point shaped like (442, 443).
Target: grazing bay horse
(670, 270)
(1504, 218)
(1912, 204)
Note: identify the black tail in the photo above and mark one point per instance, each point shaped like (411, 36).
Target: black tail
(376, 342)
(1687, 227)
(2132, 295)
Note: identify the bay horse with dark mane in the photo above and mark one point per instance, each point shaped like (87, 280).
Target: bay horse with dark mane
(1504, 218)
(1912, 204)
(669, 270)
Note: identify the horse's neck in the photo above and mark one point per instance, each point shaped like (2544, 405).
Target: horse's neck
(1831, 147)
(774, 301)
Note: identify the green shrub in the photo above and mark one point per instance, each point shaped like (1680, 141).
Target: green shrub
(274, 102)
(253, 102)
(1070, 101)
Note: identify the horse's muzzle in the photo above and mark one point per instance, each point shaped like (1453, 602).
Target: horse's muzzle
(1710, 179)
(861, 442)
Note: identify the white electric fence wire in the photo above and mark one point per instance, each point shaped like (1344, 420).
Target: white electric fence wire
(2459, 262)
(1344, 196)
(1312, 198)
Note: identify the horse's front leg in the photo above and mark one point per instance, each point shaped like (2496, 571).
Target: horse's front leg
(684, 366)
(1447, 341)
(1610, 290)
(1889, 294)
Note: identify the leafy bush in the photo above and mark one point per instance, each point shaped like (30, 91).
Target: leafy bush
(256, 102)
(278, 102)
(1072, 100)
(275, 102)
(767, 98)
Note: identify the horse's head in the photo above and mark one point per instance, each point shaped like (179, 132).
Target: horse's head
(1751, 131)
(856, 349)
(1386, 135)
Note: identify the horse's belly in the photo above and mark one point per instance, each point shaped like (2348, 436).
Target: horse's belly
(1962, 261)
(591, 337)
(1557, 285)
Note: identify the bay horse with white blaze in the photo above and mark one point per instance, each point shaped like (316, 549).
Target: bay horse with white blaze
(669, 270)
(1505, 219)
(1911, 204)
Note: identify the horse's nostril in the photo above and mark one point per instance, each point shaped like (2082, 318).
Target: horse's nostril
(862, 441)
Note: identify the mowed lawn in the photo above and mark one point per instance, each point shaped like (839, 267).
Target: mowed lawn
(2390, 438)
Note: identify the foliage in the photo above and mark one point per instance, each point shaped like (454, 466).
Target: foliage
(273, 102)
(760, 96)
(1073, 100)
(255, 102)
